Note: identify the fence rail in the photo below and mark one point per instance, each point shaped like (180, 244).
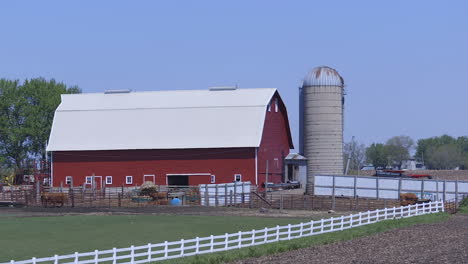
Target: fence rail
(241, 239)
(388, 188)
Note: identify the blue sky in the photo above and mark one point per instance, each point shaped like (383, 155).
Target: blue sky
(405, 63)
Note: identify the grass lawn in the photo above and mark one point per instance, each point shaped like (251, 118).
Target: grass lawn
(327, 238)
(26, 237)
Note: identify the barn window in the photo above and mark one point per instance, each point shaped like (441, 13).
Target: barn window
(68, 180)
(276, 104)
(108, 179)
(129, 179)
(89, 179)
(213, 179)
(269, 107)
(237, 177)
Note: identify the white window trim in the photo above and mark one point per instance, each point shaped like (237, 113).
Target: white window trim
(276, 105)
(269, 107)
(107, 182)
(67, 178)
(235, 177)
(126, 179)
(89, 180)
(213, 179)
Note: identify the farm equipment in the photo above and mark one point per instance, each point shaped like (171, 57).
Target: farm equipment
(411, 198)
(400, 174)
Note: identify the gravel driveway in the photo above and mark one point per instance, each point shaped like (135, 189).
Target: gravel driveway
(445, 242)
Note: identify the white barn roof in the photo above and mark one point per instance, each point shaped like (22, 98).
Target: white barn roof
(160, 120)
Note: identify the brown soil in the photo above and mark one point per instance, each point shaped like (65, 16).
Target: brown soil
(444, 242)
(166, 210)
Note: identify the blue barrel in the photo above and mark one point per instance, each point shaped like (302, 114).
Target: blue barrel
(176, 202)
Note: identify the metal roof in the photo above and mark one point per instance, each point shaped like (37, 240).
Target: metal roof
(323, 76)
(160, 120)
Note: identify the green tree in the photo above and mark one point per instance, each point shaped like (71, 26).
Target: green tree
(43, 97)
(398, 150)
(14, 143)
(26, 114)
(377, 155)
(447, 156)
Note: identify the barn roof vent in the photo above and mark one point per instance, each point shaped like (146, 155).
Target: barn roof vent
(117, 91)
(223, 88)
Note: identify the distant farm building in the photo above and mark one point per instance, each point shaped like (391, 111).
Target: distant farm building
(185, 137)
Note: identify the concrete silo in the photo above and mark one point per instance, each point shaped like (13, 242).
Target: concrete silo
(321, 103)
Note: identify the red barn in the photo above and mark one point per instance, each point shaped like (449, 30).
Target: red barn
(185, 137)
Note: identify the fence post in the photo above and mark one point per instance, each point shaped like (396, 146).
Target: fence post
(422, 189)
(321, 225)
(360, 218)
(456, 193)
(342, 222)
(253, 236)
(114, 256)
(311, 227)
(225, 194)
(289, 231)
(149, 252)
(34, 260)
(216, 196)
(235, 192)
(165, 250)
(266, 235)
(72, 198)
(385, 213)
(355, 186)
(207, 196)
(226, 241)
(242, 192)
(197, 245)
(333, 193)
(182, 249)
(377, 188)
(132, 254)
(211, 243)
(230, 197)
(277, 233)
(444, 191)
(55, 259)
(239, 245)
(437, 189)
(399, 188)
(119, 197)
(96, 256)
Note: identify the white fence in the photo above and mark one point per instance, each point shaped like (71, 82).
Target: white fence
(224, 194)
(196, 246)
(388, 188)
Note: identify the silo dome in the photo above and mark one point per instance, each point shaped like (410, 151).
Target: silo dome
(323, 76)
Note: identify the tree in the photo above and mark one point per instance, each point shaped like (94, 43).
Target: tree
(356, 153)
(26, 113)
(444, 157)
(43, 97)
(377, 155)
(14, 143)
(398, 150)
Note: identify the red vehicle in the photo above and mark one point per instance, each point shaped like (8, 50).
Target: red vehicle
(400, 174)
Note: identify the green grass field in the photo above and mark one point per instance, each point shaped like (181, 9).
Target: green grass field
(26, 237)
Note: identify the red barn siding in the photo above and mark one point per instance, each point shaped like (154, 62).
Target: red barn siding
(223, 163)
(275, 144)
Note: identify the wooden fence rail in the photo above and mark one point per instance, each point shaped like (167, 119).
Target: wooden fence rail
(202, 245)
